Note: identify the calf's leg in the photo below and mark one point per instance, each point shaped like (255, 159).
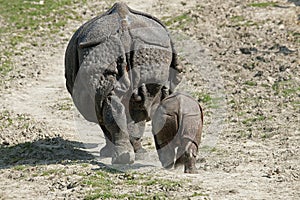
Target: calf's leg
(186, 155)
(164, 131)
(190, 155)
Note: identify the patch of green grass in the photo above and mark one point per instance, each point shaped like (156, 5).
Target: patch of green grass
(179, 21)
(232, 101)
(20, 167)
(99, 195)
(208, 149)
(164, 183)
(247, 121)
(200, 7)
(243, 134)
(30, 15)
(265, 85)
(63, 105)
(180, 18)
(290, 91)
(84, 165)
(202, 97)
(296, 104)
(296, 36)
(267, 135)
(6, 64)
(53, 172)
(241, 113)
(250, 83)
(250, 23)
(103, 184)
(237, 18)
(251, 120)
(92, 196)
(208, 100)
(99, 179)
(286, 88)
(30, 19)
(263, 4)
(6, 120)
(275, 86)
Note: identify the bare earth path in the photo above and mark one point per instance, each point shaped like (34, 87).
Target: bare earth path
(235, 66)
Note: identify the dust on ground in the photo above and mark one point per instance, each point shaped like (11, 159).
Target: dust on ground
(241, 61)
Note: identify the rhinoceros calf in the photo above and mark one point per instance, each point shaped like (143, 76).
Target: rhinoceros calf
(177, 123)
(115, 66)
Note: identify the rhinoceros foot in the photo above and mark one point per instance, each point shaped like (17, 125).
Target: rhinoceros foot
(124, 154)
(123, 158)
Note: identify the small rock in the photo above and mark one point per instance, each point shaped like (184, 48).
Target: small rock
(22, 75)
(233, 191)
(250, 50)
(271, 80)
(282, 68)
(281, 27)
(260, 58)
(248, 66)
(71, 185)
(234, 120)
(259, 74)
(266, 175)
(285, 50)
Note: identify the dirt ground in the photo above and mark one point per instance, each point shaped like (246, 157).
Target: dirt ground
(241, 61)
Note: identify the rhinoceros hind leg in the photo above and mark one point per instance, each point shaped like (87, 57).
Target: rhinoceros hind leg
(114, 119)
(190, 158)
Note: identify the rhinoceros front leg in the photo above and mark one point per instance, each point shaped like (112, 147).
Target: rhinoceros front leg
(114, 120)
(136, 131)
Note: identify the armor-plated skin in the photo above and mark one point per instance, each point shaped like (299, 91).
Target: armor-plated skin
(115, 66)
(177, 122)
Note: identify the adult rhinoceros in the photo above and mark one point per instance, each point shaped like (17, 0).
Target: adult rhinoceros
(115, 67)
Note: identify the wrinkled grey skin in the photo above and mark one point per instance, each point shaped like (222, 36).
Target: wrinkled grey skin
(177, 122)
(115, 67)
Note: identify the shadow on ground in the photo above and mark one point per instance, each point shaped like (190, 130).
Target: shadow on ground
(296, 2)
(56, 150)
(44, 151)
